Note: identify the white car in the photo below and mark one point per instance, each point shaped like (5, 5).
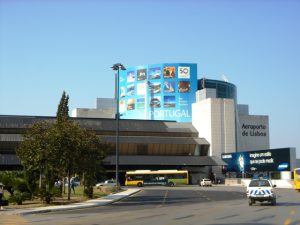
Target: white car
(106, 183)
(205, 182)
(261, 190)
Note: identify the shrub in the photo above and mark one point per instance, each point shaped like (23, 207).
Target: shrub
(19, 197)
(89, 191)
(48, 195)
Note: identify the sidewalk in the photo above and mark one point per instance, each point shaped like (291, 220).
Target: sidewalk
(87, 204)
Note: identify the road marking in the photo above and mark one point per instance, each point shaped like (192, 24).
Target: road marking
(165, 197)
(184, 217)
(164, 200)
(287, 221)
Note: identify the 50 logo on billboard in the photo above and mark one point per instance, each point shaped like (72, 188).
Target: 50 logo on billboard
(184, 72)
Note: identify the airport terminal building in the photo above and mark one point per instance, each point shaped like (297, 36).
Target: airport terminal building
(170, 119)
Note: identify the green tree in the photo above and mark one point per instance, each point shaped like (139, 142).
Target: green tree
(61, 149)
(78, 150)
(62, 113)
(66, 147)
(36, 154)
(93, 152)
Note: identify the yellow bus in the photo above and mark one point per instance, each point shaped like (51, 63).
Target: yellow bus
(157, 177)
(297, 178)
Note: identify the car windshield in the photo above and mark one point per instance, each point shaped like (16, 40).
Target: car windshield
(259, 183)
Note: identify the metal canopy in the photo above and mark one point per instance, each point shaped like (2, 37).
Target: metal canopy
(166, 160)
(156, 140)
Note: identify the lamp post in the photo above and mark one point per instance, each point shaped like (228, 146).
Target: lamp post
(117, 67)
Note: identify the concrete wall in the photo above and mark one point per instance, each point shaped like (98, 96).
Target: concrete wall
(201, 120)
(245, 182)
(215, 121)
(253, 132)
(243, 109)
(106, 104)
(105, 108)
(206, 93)
(93, 113)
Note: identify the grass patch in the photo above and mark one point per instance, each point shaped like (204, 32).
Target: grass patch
(78, 196)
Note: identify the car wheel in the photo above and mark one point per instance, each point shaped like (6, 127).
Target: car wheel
(140, 184)
(251, 201)
(273, 202)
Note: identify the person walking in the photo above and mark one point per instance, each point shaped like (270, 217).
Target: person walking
(1, 194)
(72, 183)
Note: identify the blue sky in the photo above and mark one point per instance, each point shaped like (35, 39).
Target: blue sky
(50, 46)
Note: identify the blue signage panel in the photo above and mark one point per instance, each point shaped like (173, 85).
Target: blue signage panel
(158, 92)
(258, 161)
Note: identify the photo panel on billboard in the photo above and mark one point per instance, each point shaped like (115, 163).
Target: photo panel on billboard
(140, 103)
(122, 92)
(169, 86)
(155, 102)
(131, 104)
(130, 77)
(169, 102)
(184, 72)
(122, 106)
(155, 88)
(141, 74)
(184, 86)
(154, 73)
(130, 89)
(141, 89)
(169, 72)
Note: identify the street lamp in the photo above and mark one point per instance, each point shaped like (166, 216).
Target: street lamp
(117, 67)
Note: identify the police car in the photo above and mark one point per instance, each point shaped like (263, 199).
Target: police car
(261, 190)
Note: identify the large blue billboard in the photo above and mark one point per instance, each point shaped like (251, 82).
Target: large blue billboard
(258, 161)
(158, 92)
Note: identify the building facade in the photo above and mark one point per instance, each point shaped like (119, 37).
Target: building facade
(168, 120)
(142, 144)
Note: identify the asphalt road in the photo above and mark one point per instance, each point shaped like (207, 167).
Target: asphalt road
(181, 205)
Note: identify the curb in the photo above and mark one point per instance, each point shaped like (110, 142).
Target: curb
(82, 205)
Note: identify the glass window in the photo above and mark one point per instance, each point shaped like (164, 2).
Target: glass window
(259, 183)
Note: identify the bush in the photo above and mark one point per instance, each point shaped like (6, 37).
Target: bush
(14, 181)
(22, 187)
(19, 197)
(89, 191)
(48, 195)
